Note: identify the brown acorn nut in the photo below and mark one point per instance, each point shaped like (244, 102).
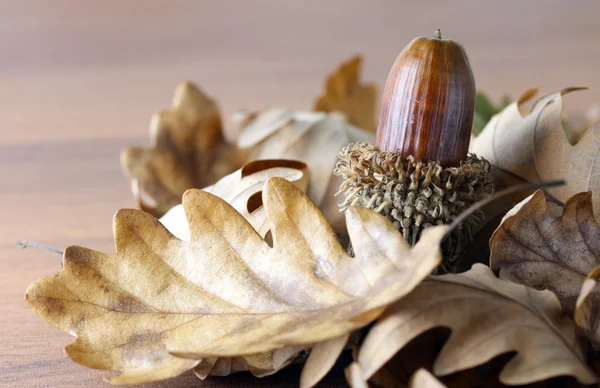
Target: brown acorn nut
(428, 102)
(419, 173)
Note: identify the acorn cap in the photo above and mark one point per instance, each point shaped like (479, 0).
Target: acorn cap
(414, 195)
(428, 103)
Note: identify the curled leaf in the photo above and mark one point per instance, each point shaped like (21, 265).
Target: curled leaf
(310, 137)
(314, 138)
(159, 305)
(242, 189)
(488, 317)
(544, 246)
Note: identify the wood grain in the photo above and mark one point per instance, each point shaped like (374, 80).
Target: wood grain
(79, 81)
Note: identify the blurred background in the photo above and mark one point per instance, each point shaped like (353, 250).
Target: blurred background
(79, 80)
(87, 69)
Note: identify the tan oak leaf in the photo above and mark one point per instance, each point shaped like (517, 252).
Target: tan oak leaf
(346, 94)
(160, 305)
(543, 246)
(535, 147)
(487, 316)
(187, 150)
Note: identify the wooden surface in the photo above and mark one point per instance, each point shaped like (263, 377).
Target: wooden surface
(79, 81)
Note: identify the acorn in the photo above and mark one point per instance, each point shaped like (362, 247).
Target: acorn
(419, 172)
(428, 102)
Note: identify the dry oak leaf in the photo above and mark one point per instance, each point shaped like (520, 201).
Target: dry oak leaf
(159, 305)
(187, 150)
(535, 147)
(344, 93)
(242, 189)
(488, 316)
(314, 138)
(543, 246)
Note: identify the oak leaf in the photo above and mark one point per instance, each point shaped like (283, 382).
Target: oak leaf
(535, 147)
(543, 246)
(159, 305)
(188, 149)
(344, 93)
(487, 317)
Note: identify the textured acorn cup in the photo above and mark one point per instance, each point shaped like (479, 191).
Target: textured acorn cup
(428, 103)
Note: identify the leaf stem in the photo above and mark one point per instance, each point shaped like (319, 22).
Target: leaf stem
(33, 244)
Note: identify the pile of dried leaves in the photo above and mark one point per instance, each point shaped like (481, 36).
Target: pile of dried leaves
(252, 273)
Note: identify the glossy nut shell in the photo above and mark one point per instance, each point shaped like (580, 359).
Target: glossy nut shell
(428, 103)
